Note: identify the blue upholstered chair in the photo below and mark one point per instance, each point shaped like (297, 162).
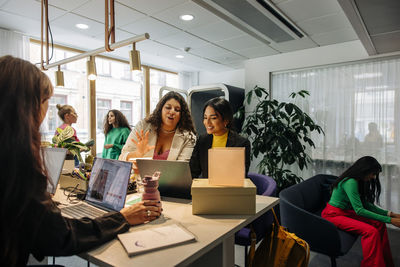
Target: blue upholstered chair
(300, 209)
(266, 186)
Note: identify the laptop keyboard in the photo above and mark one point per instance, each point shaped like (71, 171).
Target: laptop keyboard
(82, 210)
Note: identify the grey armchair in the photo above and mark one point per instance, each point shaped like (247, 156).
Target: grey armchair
(300, 210)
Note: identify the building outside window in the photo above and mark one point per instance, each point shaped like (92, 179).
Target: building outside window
(126, 109)
(159, 79)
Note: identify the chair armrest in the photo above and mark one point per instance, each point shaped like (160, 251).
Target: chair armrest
(321, 235)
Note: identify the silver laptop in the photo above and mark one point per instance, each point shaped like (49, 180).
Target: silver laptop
(106, 191)
(53, 159)
(175, 180)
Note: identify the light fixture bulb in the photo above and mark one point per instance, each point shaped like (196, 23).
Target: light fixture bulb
(179, 56)
(82, 26)
(91, 68)
(186, 17)
(134, 59)
(59, 77)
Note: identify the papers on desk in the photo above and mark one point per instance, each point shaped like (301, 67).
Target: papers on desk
(141, 241)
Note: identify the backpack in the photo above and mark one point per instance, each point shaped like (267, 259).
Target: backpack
(280, 248)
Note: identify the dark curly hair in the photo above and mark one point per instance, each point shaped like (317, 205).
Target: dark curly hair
(369, 190)
(185, 122)
(120, 121)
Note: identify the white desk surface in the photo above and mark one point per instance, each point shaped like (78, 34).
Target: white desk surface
(210, 230)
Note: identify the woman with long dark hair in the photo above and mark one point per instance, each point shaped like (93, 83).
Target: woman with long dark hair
(116, 130)
(30, 221)
(351, 208)
(217, 119)
(168, 132)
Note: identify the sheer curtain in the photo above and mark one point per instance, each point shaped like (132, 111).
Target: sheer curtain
(15, 44)
(357, 105)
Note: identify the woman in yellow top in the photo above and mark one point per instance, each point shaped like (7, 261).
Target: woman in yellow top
(217, 118)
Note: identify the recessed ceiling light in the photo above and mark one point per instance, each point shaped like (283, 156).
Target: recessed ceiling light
(82, 26)
(179, 56)
(186, 17)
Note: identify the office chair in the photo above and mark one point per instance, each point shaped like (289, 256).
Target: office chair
(266, 186)
(300, 208)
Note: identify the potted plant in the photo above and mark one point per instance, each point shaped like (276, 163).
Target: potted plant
(65, 139)
(280, 133)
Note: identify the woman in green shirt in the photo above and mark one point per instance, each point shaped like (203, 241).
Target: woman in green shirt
(351, 208)
(116, 130)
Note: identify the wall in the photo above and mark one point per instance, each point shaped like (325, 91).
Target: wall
(257, 70)
(234, 78)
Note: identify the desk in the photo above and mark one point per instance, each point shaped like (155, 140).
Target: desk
(214, 246)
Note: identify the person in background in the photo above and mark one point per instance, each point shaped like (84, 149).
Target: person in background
(116, 130)
(351, 208)
(69, 116)
(30, 222)
(217, 119)
(166, 134)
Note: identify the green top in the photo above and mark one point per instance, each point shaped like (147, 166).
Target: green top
(346, 196)
(117, 137)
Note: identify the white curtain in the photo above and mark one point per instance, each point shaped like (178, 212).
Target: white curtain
(357, 105)
(14, 44)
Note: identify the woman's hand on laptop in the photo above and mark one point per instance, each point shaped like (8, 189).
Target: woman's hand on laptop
(142, 212)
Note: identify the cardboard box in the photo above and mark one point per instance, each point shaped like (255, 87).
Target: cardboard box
(226, 166)
(214, 199)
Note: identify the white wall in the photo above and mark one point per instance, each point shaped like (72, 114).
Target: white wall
(234, 78)
(257, 70)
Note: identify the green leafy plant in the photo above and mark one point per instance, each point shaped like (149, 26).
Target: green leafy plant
(66, 140)
(280, 132)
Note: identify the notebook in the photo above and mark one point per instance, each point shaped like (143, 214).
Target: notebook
(106, 191)
(154, 238)
(53, 159)
(175, 180)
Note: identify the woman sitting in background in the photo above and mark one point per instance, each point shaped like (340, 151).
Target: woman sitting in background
(168, 132)
(116, 130)
(351, 208)
(217, 118)
(30, 222)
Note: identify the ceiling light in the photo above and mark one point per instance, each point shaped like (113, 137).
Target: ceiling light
(91, 69)
(186, 17)
(82, 26)
(134, 59)
(179, 56)
(59, 77)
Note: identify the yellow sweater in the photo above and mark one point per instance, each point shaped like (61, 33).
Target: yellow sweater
(220, 140)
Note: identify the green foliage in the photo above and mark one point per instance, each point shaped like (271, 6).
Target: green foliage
(280, 132)
(65, 139)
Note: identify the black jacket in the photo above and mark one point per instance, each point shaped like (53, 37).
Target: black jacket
(199, 159)
(47, 233)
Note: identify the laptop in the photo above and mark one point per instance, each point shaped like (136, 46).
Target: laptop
(175, 180)
(53, 159)
(106, 191)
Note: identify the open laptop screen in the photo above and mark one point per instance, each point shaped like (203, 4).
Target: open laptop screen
(108, 183)
(53, 160)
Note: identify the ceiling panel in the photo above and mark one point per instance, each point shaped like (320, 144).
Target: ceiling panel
(182, 39)
(30, 9)
(228, 58)
(387, 43)
(20, 24)
(208, 50)
(216, 31)
(69, 21)
(295, 10)
(240, 43)
(151, 7)
(334, 37)
(324, 24)
(201, 16)
(261, 51)
(155, 28)
(299, 44)
(70, 4)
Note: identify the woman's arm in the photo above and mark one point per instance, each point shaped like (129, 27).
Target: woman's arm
(351, 188)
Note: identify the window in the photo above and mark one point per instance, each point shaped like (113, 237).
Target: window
(357, 107)
(126, 109)
(53, 120)
(159, 79)
(103, 106)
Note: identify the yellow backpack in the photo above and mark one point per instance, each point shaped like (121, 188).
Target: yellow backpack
(280, 248)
